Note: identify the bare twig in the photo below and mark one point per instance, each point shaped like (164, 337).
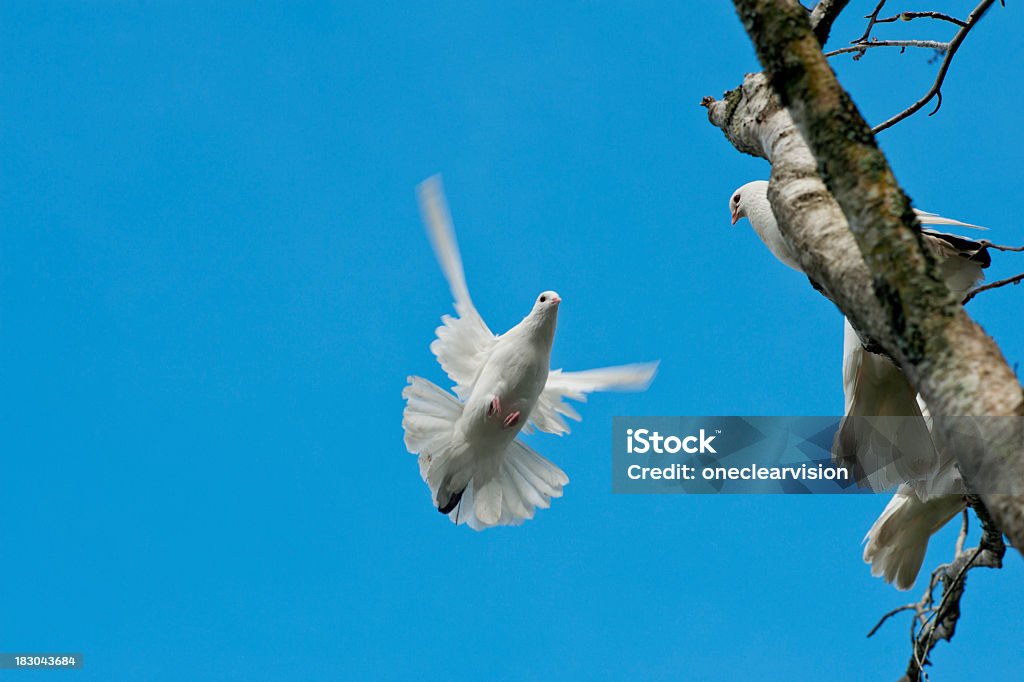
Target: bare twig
(863, 47)
(908, 16)
(936, 90)
(962, 538)
(933, 622)
(999, 247)
(1016, 279)
(872, 20)
(898, 609)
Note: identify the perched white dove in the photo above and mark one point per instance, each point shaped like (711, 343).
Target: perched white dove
(478, 472)
(888, 452)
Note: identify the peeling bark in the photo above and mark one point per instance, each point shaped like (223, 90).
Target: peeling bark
(840, 206)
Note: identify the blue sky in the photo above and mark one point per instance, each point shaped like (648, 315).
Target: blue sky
(214, 283)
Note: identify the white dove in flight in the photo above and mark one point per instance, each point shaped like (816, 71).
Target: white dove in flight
(930, 491)
(478, 472)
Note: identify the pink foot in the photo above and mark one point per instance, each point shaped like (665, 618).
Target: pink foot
(495, 407)
(512, 420)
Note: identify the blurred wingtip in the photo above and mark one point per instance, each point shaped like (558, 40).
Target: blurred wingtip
(431, 185)
(650, 369)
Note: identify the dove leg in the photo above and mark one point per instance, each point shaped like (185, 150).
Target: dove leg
(495, 407)
(512, 420)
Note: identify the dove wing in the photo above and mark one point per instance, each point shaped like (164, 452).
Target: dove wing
(549, 412)
(464, 342)
(927, 218)
(961, 260)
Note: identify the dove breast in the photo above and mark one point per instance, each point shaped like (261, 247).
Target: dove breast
(516, 372)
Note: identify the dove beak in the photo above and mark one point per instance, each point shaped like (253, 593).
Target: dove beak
(556, 299)
(735, 217)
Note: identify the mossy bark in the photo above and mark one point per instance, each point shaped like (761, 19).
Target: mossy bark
(839, 204)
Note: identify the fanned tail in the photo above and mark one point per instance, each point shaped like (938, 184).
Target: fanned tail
(523, 482)
(477, 489)
(898, 540)
(429, 421)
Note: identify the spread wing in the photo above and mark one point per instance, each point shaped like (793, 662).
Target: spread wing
(549, 412)
(464, 342)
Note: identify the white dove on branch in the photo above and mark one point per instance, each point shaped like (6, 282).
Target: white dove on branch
(885, 431)
(478, 472)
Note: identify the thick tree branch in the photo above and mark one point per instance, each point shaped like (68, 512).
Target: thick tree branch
(868, 255)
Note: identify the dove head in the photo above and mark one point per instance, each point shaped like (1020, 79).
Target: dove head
(546, 304)
(544, 314)
(750, 201)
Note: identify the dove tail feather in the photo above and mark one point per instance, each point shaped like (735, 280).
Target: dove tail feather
(523, 482)
(429, 421)
(480, 497)
(927, 218)
(453, 502)
(897, 542)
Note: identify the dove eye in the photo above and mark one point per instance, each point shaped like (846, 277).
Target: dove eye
(543, 298)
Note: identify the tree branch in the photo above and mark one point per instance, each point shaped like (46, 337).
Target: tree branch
(909, 16)
(851, 227)
(824, 15)
(868, 255)
(1016, 279)
(933, 622)
(999, 247)
(872, 20)
(936, 90)
(863, 47)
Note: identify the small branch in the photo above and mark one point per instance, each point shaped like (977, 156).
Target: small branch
(962, 538)
(933, 623)
(898, 609)
(863, 47)
(1016, 279)
(934, 91)
(908, 16)
(872, 20)
(824, 15)
(991, 534)
(986, 244)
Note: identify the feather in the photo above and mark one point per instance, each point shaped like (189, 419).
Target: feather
(927, 218)
(884, 436)
(547, 414)
(896, 543)
(464, 342)
(478, 472)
